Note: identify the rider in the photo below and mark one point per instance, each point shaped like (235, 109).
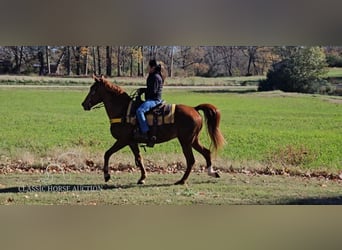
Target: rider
(153, 94)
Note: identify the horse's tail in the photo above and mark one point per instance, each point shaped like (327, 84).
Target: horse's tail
(212, 116)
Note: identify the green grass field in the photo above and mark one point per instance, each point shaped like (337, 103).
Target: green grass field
(274, 129)
(261, 128)
(335, 72)
(128, 81)
(88, 189)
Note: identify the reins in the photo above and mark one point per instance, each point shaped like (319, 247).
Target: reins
(132, 96)
(100, 105)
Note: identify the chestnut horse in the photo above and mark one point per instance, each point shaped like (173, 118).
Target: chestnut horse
(186, 127)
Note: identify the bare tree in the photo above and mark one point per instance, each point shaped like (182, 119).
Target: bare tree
(207, 61)
(109, 61)
(77, 55)
(171, 61)
(68, 61)
(132, 59)
(189, 59)
(119, 61)
(152, 52)
(142, 61)
(47, 59)
(94, 60)
(227, 54)
(251, 53)
(60, 59)
(99, 60)
(85, 60)
(18, 55)
(41, 61)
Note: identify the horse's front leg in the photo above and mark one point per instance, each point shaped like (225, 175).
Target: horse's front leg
(116, 147)
(138, 162)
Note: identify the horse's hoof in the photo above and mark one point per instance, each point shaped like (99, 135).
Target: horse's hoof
(106, 177)
(140, 182)
(181, 182)
(217, 175)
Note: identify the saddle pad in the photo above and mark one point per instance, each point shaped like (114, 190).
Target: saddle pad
(166, 117)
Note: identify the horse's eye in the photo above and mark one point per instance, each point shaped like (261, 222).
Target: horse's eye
(93, 89)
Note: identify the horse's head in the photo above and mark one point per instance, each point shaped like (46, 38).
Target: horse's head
(94, 96)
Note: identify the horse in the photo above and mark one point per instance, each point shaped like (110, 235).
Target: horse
(186, 128)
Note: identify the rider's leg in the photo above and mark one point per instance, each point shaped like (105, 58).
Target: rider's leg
(146, 106)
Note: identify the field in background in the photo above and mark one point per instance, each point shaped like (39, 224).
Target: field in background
(134, 81)
(335, 74)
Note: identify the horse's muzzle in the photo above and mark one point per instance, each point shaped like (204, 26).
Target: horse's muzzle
(86, 106)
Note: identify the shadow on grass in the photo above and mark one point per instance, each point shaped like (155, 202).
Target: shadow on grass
(56, 188)
(218, 91)
(75, 187)
(335, 200)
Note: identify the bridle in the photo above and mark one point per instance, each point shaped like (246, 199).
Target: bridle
(98, 106)
(133, 96)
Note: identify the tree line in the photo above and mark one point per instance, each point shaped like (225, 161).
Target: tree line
(206, 61)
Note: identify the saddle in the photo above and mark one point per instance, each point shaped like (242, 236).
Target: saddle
(161, 114)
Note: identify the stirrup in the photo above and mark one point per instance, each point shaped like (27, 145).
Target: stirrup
(151, 141)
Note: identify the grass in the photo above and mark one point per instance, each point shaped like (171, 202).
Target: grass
(259, 125)
(335, 72)
(134, 81)
(87, 189)
(261, 128)
(40, 126)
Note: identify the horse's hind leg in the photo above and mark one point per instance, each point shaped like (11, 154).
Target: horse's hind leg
(190, 161)
(207, 155)
(117, 146)
(138, 162)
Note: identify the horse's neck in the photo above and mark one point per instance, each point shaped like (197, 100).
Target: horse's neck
(116, 106)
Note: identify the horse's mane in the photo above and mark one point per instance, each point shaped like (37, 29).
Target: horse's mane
(112, 87)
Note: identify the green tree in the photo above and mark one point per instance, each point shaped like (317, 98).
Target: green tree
(302, 71)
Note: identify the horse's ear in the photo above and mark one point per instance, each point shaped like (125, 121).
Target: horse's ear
(102, 77)
(95, 78)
